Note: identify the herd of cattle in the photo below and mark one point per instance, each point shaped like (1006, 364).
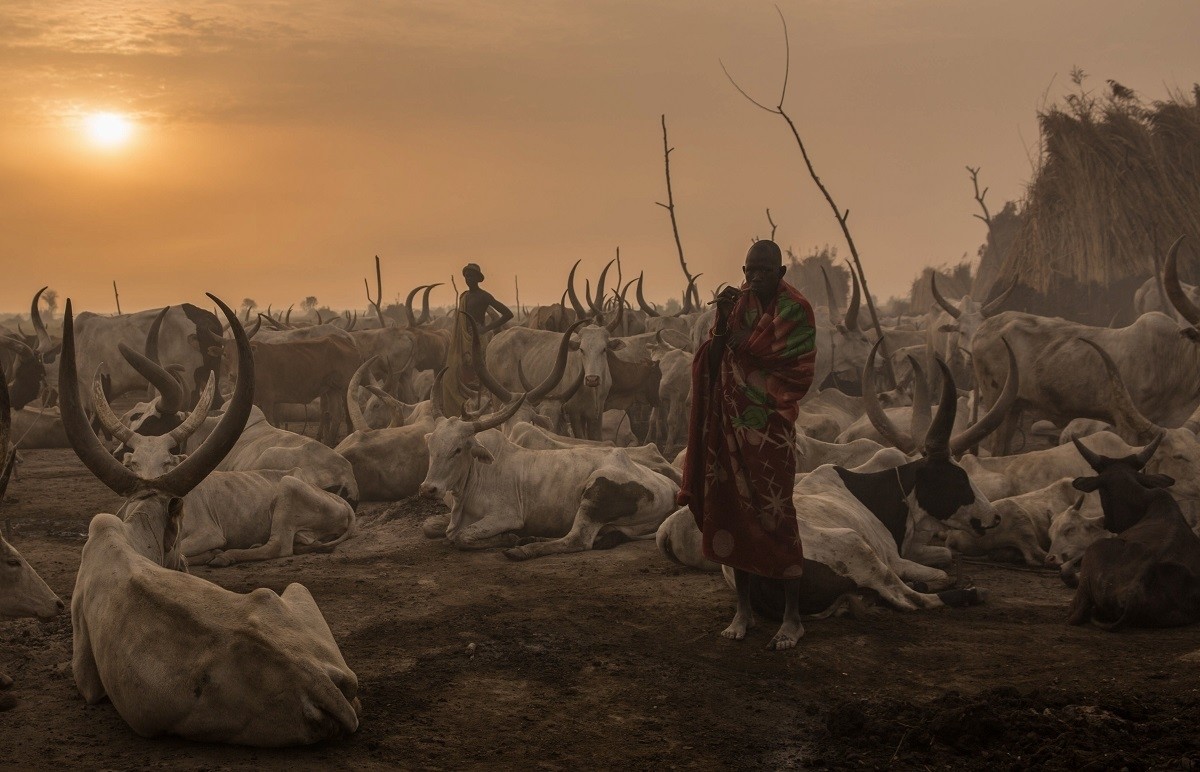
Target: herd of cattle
(572, 442)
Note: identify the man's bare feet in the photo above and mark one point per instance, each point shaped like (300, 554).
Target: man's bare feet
(788, 636)
(738, 627)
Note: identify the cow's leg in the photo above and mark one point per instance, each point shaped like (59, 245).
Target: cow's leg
(494, 530)
(845, 548)
(283, 517)
(579, 538)
(909, 571)
(202, 545)
(743, 616)
(928, 554)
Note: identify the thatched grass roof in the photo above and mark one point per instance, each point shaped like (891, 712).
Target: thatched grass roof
(1116, 184)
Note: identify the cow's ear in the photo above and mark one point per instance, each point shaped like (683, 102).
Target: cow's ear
(948, 328)
(481, 454)
(193, 341)
(1156, 480)
(616, 344)
(574, 345)
(1086, 484)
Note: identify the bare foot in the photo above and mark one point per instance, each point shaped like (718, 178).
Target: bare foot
(787, 637)
(738, 627)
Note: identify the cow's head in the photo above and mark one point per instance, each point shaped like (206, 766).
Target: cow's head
(940, 487)
(454, 449)
(850, 343)
(162, 414)
(29, 372)
(152, 477)
(1071, 532)
(1125, 490)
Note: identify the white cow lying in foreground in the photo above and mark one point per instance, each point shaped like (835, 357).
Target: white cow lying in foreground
(560, 500)
(174, 653)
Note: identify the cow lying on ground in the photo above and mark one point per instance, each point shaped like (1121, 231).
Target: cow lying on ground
(856, 527)
(1148, 575)
(174, 653)
(559, 500)
(22, 592)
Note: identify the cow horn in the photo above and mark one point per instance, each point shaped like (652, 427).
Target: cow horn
(255, 329)
(1126, 412)
(353, 322)
(615, 324)
(941, 301)
(879, 419)
(480, 361)
(199, 413)
(597, 303)
(1092, 459)
(152, 337)
(499, 417)
(17, 346)
(104, 412)
(85, 443)
(834, 311)
(688, 307)
(993, 306)
(196, 467)
(425, 302)
(358, 421)
(580, 312)
(641, 299)
(851, 320)
(408, 306)
(35, 315)
(1178, 297)
(1145, 454)
(921, 415)
(172, 396)
(435, 395)
(565, 396)
(400, 410)
(287, 319)
(974, 434)
(535, 395)
(937, 439)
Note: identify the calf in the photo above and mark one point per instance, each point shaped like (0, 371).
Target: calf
(1148, 575)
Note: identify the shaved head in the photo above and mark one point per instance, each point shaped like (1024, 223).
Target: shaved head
(764, 250)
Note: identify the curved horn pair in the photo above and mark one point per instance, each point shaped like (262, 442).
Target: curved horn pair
(580, 311)
(1096, 462)
(181, 479)
(938, 440)
(408, 306)
(424, 319)
(35, 315)
(497, 418)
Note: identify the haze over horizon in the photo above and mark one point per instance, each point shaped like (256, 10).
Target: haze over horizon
(275, 147)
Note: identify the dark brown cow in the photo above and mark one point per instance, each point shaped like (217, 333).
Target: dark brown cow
(299, 371)
(1148, 575)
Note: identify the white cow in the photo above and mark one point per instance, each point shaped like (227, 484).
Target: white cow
(174, 653)
(564, 499)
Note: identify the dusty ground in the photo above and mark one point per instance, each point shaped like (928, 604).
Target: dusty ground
(612, 659)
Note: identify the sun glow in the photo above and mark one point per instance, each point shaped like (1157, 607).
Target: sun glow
(108, 130)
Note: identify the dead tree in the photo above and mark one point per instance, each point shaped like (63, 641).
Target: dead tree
(986, 216)
(670, 207)
(378, 299)
(842, 216)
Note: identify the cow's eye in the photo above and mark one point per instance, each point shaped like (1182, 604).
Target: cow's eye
(14, 562)
(455, 452)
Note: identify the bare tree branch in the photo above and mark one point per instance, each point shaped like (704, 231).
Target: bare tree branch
(670, 207)
(773, 226)
(842, 217)
(117, 295)
(378, 299)
(986, 217)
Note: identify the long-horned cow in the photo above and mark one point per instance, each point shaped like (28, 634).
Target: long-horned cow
(177, 654)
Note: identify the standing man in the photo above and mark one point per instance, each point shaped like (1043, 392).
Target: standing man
(476, 302)
(747, 380)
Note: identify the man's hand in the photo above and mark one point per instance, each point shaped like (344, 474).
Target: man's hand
(725, 301)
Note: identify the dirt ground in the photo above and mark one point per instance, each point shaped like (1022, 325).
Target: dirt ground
(613, 659)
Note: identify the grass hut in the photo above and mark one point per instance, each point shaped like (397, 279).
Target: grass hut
(1116, 183)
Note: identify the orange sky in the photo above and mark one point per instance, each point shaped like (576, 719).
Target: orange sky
(280, 145)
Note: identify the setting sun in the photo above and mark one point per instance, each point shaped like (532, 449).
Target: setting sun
(108, 130)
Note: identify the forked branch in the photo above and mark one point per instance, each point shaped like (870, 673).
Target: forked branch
(842, 216)
(670, 207)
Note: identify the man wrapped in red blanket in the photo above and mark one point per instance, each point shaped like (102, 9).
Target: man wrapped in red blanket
(747, 380)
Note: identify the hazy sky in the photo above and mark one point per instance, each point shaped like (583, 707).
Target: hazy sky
(279, 146)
